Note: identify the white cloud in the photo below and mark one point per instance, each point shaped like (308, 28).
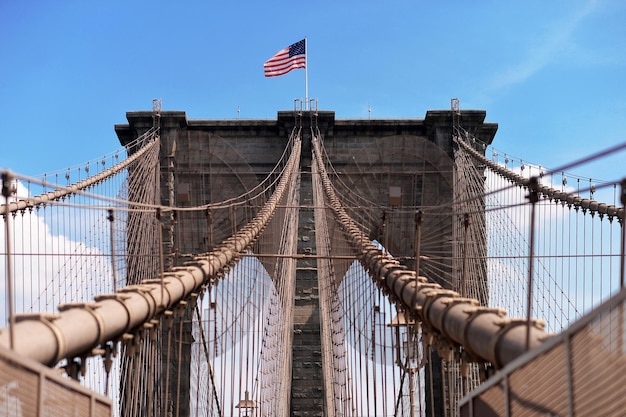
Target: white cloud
(572, 269)
(48, 266)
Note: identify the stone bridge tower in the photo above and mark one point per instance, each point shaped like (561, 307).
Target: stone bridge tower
(394, 162)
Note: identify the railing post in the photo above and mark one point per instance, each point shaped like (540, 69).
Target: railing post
(7, 191)
(158, 217)
(383, 231)
(623, 223)
(418, 250)
(418, 241)
(462, 288)
(209, 222)
(110, 218)
(533, 197)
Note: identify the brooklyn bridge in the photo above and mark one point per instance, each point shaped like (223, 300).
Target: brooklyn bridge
(312, 266)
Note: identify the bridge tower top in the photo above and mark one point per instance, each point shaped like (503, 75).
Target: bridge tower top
(437, 125)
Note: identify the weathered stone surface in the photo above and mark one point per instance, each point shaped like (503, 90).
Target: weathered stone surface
(307, 396)
(212, 160)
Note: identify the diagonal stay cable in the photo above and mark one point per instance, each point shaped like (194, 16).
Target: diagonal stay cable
(565, 197)
(81, 327)
(486, 334)
(74, 188)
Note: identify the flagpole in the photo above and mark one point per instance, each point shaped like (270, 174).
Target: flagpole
(306, 75)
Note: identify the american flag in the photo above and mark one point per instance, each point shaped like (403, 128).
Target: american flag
(283, 61)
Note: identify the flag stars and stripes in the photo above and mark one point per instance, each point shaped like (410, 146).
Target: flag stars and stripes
(287, 59)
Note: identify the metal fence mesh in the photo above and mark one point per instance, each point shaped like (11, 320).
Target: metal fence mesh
(581, 372)
(30, 389)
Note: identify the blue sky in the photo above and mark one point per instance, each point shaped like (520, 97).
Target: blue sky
(550, 73)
